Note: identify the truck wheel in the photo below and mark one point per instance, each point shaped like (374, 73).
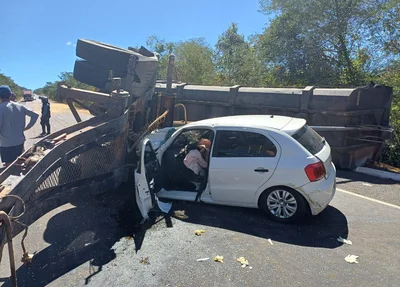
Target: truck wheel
(87, 73)
(107, 57)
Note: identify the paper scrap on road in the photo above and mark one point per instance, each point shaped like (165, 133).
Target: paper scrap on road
(180, 214)
(219, 258)
(199, 232)
(351, 259)
(345, 241)
(270, 241)
(202, 259)
(367, 184)
(145, 261)
(243, 261)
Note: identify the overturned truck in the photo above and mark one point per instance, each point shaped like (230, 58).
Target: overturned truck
(355, 121)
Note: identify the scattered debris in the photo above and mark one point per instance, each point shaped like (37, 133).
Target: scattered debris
(250, 267)
(270, 241)
(199, 232)
(202, 259)
(145, 261)
(243, 261)
(343, 240)
(366, 184)
(27, 258)
(219, 259)
(351, 258)
(129, 237)
(180, 214)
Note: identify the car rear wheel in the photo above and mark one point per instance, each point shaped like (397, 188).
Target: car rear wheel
(283, 204)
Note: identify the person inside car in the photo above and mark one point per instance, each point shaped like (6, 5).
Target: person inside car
(205, 145)
(194, 159)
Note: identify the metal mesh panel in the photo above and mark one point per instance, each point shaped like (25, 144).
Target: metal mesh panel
(97, 161)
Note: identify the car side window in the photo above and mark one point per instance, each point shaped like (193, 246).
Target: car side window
(243, 144)
(192, 135)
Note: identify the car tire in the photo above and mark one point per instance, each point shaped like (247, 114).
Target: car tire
(105, 56)
(295, 207)
(89, 74)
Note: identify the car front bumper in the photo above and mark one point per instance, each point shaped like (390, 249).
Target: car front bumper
(319, 194)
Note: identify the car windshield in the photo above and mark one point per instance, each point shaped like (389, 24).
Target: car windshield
(309, 139)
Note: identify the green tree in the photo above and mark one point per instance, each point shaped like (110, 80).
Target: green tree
(38, 91)
(391, 76)
(237, 60)
(193, 60)
(163, 49)
(324, 37)
(385, 26)
(50, 89)
(17, 90)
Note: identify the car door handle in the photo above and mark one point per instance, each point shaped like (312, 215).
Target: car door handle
(261, 169)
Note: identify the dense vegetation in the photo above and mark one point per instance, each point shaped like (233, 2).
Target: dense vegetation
(50, 89)
(329, 43)
(18, 90)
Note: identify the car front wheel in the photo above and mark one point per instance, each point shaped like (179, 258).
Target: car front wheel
(283, 204)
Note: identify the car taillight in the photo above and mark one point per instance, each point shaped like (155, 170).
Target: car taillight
(315, 171)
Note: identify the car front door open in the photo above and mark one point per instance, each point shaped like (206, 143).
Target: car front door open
(145, 197)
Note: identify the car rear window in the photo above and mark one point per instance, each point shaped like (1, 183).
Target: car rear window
(309, 139)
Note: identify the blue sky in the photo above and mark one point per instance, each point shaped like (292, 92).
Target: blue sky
(35, 34)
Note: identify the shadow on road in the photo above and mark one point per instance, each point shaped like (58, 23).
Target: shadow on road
(320, 231)
(345, 176)
(87, 232)
(82, 234)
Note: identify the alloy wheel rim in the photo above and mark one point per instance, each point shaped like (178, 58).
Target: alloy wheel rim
(282, 204)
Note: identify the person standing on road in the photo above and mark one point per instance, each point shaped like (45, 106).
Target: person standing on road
(12, 126)
(45, 118)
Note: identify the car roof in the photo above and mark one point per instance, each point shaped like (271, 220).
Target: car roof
(288, 125)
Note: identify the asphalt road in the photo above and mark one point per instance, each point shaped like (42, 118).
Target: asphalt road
(61, 117)
(94, 242)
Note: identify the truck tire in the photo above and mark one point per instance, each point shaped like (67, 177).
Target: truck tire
(89, 74)
(107, 57)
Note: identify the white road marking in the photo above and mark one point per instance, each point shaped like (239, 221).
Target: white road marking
(369, 198)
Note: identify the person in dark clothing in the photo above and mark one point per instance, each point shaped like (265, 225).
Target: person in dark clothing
(45, 118)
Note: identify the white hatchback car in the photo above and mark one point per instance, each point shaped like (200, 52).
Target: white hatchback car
(275, 163)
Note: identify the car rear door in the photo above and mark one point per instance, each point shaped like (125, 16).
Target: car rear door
(242, 161)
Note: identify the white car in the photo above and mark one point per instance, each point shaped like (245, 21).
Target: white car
(275, 163)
